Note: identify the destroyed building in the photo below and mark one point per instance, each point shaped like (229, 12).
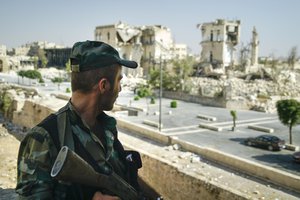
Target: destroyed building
(3, 63)
(147, 45)
(57, 57)
(16, 62)
(124, 38)
(219, 39)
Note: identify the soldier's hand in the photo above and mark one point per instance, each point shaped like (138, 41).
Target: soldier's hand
(100, 196)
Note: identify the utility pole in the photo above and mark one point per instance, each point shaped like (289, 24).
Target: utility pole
(160, 92)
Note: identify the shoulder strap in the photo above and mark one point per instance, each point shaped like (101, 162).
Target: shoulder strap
(59, 127)
(64, 130)
(50, 125)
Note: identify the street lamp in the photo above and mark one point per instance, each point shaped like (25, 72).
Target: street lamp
(160, 93)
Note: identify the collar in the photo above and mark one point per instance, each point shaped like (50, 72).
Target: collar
(105, 120)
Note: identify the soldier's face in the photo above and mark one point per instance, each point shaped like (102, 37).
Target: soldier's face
(112, 93)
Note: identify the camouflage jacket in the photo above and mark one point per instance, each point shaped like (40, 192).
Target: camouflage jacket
(39, 149)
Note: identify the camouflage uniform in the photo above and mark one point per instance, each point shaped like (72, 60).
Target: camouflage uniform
(39, 149)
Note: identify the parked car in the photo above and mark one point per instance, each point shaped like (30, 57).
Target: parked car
(296, 156)
(269, 142)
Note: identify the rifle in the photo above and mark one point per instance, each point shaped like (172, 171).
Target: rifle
(70, 167)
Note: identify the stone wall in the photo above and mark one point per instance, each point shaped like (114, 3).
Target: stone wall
(208, 101)
(175, 185)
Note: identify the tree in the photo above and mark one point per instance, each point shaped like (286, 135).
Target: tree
(144, 91)
(234, 117)
(292, 57)
(174, 79)
(22, 74)
(31, 74)
(183, 69)
(42, 58)
(57, 80)
(289, 113)
(68, 68)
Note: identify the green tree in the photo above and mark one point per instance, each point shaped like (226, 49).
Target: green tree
(68, 69)
(183, 69)
(58, 81)
(144, 91)
(289, 113)
(22, 74)
(42, 57)
(31, 74)
(175, 77)
(234, 118)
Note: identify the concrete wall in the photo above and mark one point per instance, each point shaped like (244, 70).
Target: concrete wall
(216, 102)
(175, 185)
(208, 101)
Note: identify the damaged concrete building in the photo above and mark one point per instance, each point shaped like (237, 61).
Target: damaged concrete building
(147, 45)
(219, 39)
(15, 62)
(126, 39)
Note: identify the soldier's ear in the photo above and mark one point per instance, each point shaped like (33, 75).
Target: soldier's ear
(103, 85)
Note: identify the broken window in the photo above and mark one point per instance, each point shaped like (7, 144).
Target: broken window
(218, 36)
(232, 34)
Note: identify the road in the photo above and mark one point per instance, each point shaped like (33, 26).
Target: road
(183, 123)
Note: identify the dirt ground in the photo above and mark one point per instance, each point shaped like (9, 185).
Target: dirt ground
(9, 147)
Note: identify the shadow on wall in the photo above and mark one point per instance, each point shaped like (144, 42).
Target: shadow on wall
(8, 193)
(286, 161)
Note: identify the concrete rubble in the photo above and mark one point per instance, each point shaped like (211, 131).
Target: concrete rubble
(258, 94)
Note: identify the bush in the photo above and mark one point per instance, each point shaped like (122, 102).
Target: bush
(152, 101)
(173, 104)
(68, 90)
(32, 74)
(136, 98)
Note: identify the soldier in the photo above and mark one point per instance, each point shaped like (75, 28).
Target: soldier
(83, 126)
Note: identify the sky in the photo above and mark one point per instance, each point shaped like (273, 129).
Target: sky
(65, 22)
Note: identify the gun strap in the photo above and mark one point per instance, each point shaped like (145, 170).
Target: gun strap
(51, 125)
(64, 130)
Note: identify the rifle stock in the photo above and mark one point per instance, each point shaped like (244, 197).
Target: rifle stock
(70, 167)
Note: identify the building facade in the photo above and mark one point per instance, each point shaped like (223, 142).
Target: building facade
(180, 51)
(124, 38)
(147, 45)
(219, 39)
(57, 57)
(2, 50)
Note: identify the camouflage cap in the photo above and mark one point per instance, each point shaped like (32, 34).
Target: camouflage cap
(90, 55)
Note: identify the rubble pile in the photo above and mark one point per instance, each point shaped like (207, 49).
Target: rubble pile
(259, 94)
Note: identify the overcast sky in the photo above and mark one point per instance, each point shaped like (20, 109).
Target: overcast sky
(67, 21)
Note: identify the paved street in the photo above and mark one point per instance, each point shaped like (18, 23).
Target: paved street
(183, 123)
